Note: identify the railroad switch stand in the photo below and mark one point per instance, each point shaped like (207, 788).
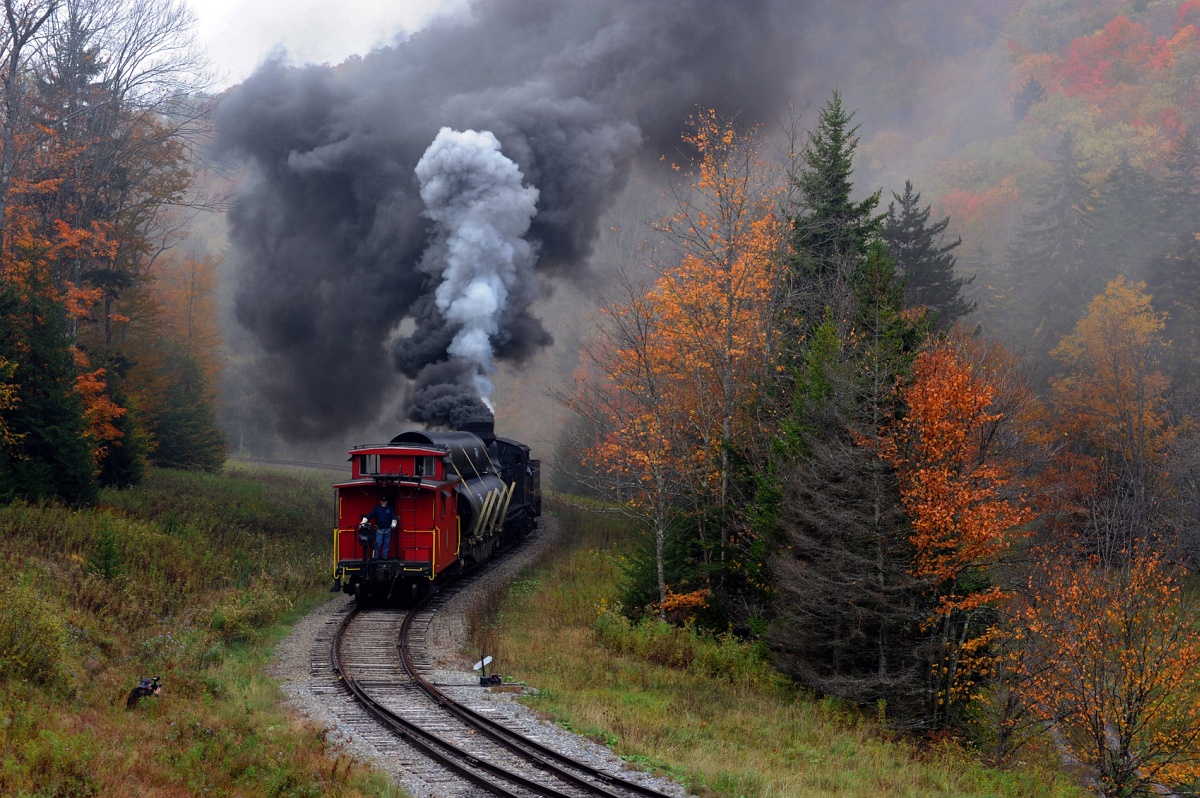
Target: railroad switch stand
(484, 679)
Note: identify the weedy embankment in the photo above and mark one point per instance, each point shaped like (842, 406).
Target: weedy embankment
(706, 709)
(189, 577)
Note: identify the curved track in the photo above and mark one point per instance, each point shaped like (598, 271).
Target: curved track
(379, 655)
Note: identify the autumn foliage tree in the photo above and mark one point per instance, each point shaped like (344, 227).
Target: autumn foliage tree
(954, 486)
(175, 349)
(674, 366)
(99, 106)
(716, 304)
(1115, 671)
(1114, 392)
(625, 390)
(953, 489)
(1110, 407)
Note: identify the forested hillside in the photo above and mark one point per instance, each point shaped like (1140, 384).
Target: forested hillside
(109, 347)
(1092, 176)
(829, 445)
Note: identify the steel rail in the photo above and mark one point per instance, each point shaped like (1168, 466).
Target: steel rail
(538, 755)
(444, 753)
(546, 757)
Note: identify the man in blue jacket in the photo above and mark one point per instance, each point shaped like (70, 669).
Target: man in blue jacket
(384, 519)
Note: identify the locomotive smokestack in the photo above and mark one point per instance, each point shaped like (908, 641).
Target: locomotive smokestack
(484, 427)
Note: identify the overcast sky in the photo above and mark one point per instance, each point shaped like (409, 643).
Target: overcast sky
(239, 34)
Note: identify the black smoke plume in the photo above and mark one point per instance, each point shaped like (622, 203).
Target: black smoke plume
(334, 245)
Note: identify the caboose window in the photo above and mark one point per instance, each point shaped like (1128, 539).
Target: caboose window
(368, 464)
(424, 466)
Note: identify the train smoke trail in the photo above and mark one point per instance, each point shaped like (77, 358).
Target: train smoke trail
(329, 231)
(475, 196)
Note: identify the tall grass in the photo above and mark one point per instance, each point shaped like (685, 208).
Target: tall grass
(708, 710)
(189, 577)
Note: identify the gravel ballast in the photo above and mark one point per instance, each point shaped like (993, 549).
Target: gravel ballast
(314, 698)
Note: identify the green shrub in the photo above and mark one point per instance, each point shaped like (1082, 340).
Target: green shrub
(728, 657)
(722, 656)
(171, 523)
(105, 558)
(650, 639)
(244, 615)
(34, 640)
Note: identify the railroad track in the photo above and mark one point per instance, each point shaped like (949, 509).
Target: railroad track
(381, 660)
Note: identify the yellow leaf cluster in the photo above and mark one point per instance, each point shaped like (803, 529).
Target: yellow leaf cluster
(1114, 395)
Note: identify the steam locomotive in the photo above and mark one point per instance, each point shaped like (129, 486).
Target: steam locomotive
(458, 497)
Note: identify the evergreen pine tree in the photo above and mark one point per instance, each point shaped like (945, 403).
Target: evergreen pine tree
(52, 459)
(1031, 93)
(124, 463)
(1181, 192)
(187, 434)
(828, 228)
(1174, 279)
(846, 614)
(847, 611)
(845, 619)
(1050, 257)
(1130, 233)
(923, 260)
(827, 237)
(990, 283)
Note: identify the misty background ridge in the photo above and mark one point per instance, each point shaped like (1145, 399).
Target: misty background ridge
(329, 234)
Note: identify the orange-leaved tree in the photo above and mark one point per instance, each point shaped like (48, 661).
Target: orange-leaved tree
(40, 245)
(1113, 395)
(715, 296)
(956, 491)
(1114, 667)
(627, 391)
(175, 345)
(100, 412)
(187, 293)
(8, 399)
(671, 370)
(98, 102)
(1110, 411)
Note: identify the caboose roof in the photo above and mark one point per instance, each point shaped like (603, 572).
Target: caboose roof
(393, 449)
(395, 480)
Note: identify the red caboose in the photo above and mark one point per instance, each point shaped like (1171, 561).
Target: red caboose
(452, 495)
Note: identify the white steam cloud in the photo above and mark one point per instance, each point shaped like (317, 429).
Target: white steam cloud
(482, 210)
